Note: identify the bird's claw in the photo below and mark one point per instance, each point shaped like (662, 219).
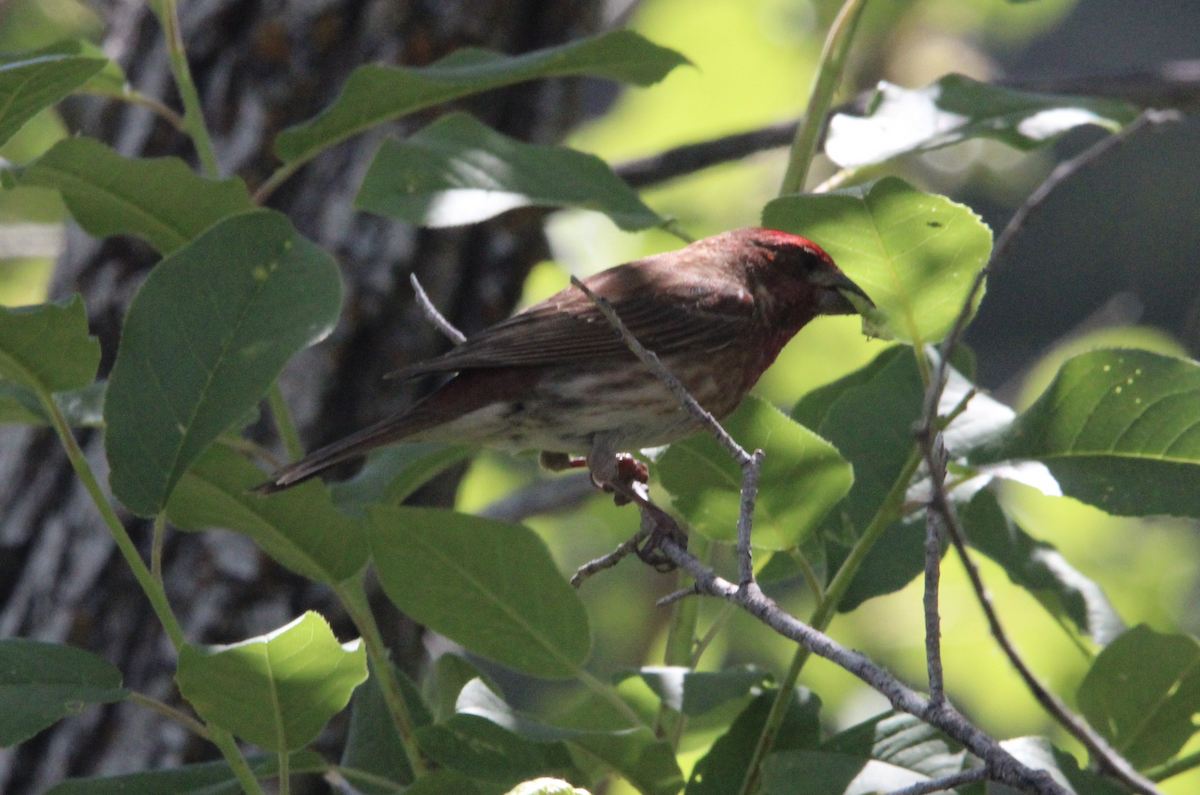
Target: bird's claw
(661, 527)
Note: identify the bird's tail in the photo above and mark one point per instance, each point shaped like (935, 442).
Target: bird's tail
(386, 431)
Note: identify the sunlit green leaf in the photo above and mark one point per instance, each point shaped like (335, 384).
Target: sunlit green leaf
(488, 585)
(161, 200)
(915, 254)
(277, 690)
(207, 333)
(802, 477)
(1118, 429)
(299, 527)
(41, 683)
(957, 108)
(901, 740)
(459, 171)
(376, 93)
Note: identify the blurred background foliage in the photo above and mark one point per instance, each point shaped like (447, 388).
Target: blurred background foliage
(1111, 259)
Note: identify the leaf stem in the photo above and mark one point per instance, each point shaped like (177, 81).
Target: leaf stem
(151, 586)
(167, 12)
(354, 598)
(233, 755)
(829, 74)
(167, 711)
(826, 608)
(284, 422)
(1174, 767)
(156, 547)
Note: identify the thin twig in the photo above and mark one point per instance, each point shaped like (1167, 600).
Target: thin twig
(433, 316)
(933, 572)
(1001, 765)
(944, 783)
(611, 559)
(927, 431)
(166, 710)
(675, 596)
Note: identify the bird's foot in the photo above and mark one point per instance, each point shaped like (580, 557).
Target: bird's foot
(618, 477)
(660, 527)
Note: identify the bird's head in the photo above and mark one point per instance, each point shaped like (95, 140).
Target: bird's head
(791, 270)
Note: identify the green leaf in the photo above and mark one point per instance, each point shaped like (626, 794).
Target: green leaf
(277, 690)
(723, 769)
(208, 778)
(696, 692)
(870, 423)
(1037, 753)
(635, 754)
(46, 348)
(375, 93)
(299, 528)
(823, 773)
(487, 585)
(161, 200)
(372, 744)
(459, 171)
(207, 333)
(1118, 429)
(1040, 569)
(901, 740)
(81, 408)
(956, 109)
(29, 87)
(483, 750)
(452, 675)
(914, 253)
(1142, 692)
(444, 782)
(802, 477)
(41, 683)
(394, 473)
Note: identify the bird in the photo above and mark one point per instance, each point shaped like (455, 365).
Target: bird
(558, 377)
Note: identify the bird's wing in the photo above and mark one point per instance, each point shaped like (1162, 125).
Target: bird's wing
(568, 327)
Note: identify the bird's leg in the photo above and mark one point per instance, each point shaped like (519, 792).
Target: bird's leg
(626, 478)
(629, 470)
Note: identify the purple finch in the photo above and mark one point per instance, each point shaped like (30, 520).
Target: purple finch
(557, 376)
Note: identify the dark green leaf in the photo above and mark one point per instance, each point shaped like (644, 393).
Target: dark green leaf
(443, 782)
(488, 585)
(1118, 429)
(81, 408)
(162, 200)
(481, 749)
(914, 253)
(207, 333)
(41, 683)
(372, 743)
(300, 527)
(1038, 754)
(277, 690)
(459, 171)
(723, 769)
(696, 692)
(1142, 692)
(376, 93)
(802, 477)
(822, 773)
(1041, 569)
(641, 759)
(46, 348)
(956, 109)
(29, 87)
(901, 740)
(812, 408)
(393, 473)
(209, 778)
(453, 674)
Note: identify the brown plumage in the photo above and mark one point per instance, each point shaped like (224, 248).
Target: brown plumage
(557, 377)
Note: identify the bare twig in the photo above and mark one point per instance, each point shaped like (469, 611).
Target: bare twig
(750, 464)
(927, 431)
(933, 573)
(611, 559)
(1001, 765)
(944, 783)
(433, 316)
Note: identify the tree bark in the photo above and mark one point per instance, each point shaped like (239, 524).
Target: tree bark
(259, 68)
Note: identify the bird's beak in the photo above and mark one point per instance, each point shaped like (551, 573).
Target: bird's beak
(840, 296)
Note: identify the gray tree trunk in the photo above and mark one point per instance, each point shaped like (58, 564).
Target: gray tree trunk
(260, 66)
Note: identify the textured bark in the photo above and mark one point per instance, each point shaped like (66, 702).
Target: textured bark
(259, 67)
